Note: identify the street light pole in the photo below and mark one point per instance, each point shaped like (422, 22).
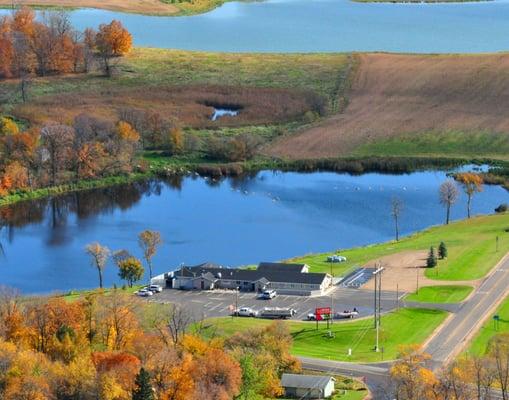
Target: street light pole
(378, 288)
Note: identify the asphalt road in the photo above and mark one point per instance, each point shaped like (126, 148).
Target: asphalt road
(454, 335)
(217, 303)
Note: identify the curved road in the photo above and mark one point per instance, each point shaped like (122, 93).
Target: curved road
(447, 342)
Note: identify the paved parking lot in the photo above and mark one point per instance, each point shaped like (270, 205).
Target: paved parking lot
(206, 304)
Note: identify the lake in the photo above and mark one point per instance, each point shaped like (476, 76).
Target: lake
(321, 26)
(265, 217)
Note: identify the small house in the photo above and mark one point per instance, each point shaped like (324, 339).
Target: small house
(308, 386)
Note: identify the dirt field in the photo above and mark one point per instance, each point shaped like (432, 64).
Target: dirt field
(396, 94)
(135, 6)
(402, 269)
(190, 106)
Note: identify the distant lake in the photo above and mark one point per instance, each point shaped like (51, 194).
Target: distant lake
(264, 217)
(322, 26)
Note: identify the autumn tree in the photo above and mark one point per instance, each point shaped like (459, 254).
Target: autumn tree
(448, 195)
(99, 257)
(411, 380)
(57, 142)
(176, 141)
(112, 40)
(472, 184)
(130, 270)
(149, 241)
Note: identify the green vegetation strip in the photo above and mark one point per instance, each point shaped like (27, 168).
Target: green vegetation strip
(491, 328)
(471, 245)
(440, 294)
(437, 144)
(406, 326)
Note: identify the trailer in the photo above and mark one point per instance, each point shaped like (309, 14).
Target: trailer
(277, 313)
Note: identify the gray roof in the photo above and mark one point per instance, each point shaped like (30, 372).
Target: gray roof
(279, 273)
(305, 381)
(282, 267)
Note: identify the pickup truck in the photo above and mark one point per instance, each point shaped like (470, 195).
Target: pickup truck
(277, 312)
(245, 312)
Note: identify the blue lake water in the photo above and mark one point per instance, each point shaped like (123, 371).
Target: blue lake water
(322, 26)
(267, 217)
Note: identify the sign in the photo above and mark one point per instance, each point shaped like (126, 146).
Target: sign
(323, 313)
(496, 317)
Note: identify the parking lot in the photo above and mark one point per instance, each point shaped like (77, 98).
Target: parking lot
(207, 304)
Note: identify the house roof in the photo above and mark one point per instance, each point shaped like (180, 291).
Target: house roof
(283, 267)
(305, 381)
(270, 272)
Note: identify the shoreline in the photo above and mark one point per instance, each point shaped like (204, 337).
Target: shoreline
(353, 166)
(155, 8)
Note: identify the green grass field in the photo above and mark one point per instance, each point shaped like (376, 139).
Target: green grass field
(440, 294)
(479, 344)
(321, 73)
(471, 247)
(406, 326)
(439, 144)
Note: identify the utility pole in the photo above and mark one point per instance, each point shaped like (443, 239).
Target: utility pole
(378, 300)
(417, 288)
(397, 296)
(331, 316)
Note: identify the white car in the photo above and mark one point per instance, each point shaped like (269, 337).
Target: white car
(336, 258)
(268, 294)
(144, 292)
(155, 288)
(245, 312)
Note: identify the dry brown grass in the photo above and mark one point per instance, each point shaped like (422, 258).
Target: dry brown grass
(396, 94)
(190, 106)
(135, 6)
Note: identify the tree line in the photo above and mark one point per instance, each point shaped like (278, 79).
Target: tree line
(50, 45)
(56, 153)
(471, 377)
(115, 347)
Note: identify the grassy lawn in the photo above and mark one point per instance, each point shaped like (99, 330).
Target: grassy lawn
(480, 342)
(440, 294)
(436, 144)
(471, 246)
(406, 326)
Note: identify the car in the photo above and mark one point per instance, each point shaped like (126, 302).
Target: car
(311, 317)
(245, 312)
(347, 314)
(268, 294)
(155, 288)
(336, 258)
(145, 292)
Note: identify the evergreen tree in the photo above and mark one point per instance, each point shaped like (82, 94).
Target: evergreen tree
(442, 251)
(431, 261)
(143, 389)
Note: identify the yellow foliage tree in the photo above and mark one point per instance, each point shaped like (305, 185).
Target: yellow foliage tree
(8, 126)
(126, 132)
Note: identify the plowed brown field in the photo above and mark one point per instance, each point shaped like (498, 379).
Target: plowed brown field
(395, 94)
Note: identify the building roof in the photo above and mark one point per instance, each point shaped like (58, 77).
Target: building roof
(305, 381)
(283, 267)
(267, 272)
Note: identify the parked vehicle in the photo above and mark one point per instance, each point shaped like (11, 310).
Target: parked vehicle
(336, 258)
(245, 312)
(277, 312)
(347, 314)
(311, 317)
(145, 292)
(268, 294)
(155, 288)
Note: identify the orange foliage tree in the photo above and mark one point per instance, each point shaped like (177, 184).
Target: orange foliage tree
(472, 184)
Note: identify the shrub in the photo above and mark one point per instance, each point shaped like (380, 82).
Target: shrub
(502, 208)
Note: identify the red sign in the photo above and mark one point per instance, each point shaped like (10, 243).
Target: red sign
(322, 312)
